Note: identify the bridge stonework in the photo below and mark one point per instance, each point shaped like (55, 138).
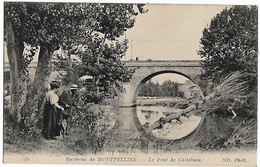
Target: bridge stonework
(145, 70)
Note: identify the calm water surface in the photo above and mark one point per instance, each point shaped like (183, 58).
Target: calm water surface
(129, 117)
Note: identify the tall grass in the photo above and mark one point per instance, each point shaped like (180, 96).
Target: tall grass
(233, 94)
(233, 87)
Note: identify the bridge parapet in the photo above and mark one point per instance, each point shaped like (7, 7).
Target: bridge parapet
(142, 63)
(163, 63)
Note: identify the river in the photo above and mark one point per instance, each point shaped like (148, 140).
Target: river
(130, 117)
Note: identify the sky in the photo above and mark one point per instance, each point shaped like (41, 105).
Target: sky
(169, 32)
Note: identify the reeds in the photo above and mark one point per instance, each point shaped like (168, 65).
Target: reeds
(234, 86)
(243, 134)
(231, 95)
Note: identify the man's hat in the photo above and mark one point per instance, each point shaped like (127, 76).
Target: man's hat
(54, 84)
(73, 87)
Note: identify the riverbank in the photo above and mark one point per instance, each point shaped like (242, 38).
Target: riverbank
(161, 101)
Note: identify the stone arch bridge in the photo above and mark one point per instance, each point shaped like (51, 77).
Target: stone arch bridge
(145, 70)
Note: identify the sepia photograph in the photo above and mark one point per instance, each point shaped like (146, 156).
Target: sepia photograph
(91, 83)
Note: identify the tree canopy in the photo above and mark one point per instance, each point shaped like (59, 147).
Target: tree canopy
(100, 55)
(167, 89)
(230, 42)
(47, 27)
(229, 47)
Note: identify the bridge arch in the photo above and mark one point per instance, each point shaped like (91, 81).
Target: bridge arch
(147, 70)
(147, 78)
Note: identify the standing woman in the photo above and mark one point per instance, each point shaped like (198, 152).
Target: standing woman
(50, 124)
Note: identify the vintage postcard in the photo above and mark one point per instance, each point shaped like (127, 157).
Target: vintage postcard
(130, 84)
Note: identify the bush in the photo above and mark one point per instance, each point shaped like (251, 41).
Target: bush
(88, 129)
(12, 139)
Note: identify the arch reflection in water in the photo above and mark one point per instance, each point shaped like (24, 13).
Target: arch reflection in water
(166, 104)
(172, 130)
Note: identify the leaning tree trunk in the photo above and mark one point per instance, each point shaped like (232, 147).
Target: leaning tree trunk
(15, 49)
(30, 111)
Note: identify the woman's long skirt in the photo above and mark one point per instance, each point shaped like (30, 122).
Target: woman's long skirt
(50, 124)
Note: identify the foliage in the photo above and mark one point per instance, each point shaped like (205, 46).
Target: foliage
(229, 48)
(114, 19)
(110, 72)
(42, 26)
(218, 132)
(47, 27)
(230, 42)
(243, 135)
(48, 23)
(8, 122)
(93, 122)
(205, 86)
(100, 54)
(168, 88)
(231, 94)
(12, 138)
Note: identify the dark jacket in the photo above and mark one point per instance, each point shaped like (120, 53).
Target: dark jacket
(67, 98)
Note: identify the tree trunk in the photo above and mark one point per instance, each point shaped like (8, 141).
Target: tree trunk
(36, 92)
(15, 49)
(171, 117)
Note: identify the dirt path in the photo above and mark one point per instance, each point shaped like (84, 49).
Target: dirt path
(53, 146)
